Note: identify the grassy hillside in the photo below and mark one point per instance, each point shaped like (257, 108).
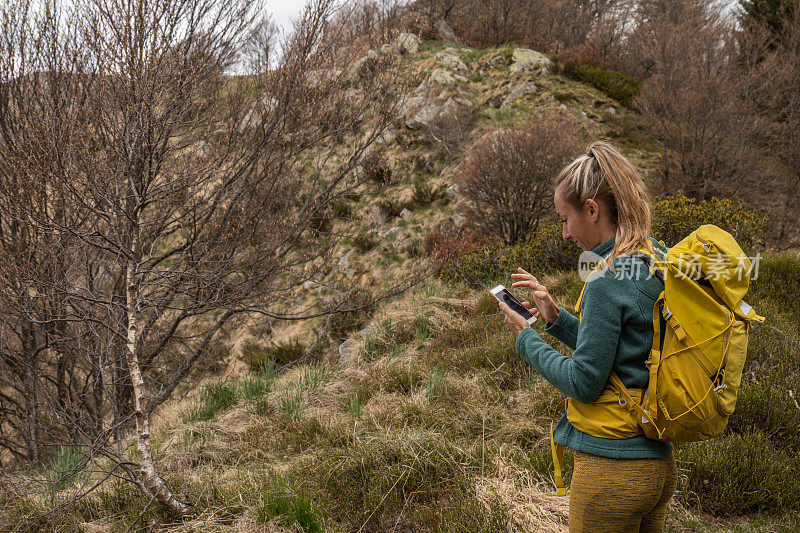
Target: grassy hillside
(427, 419)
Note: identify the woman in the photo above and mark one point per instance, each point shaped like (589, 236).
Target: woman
(620, 484)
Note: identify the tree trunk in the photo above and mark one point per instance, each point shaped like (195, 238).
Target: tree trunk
(154, 483)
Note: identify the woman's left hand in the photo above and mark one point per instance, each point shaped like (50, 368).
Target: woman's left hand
(515, 321)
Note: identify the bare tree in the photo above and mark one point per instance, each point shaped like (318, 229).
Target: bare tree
(149, 199)
(697, 102)
(508, 177)
(772, 59)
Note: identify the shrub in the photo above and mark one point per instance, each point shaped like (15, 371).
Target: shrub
(425, 193)
(451, 128)
(508, 176)
(741, 474)
(618, 85)
(488, 265)
(347, 315)
(445, 243)
(377, 170)
(364, 242)
(341, 208)
(677, 216)
(762, 406)
(390, 208)
(778, 283)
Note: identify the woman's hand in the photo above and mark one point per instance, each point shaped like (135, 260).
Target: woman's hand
(544, 302)
(515, 321)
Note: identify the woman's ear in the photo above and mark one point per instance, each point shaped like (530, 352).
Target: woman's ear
(592, 209)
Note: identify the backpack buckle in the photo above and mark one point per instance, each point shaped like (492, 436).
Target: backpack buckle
(667, 312)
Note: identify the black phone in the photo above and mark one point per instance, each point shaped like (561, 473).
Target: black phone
(502, 294)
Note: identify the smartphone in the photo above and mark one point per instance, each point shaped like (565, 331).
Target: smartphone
(502, 294)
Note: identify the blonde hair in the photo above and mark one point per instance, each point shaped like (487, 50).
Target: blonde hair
(604, 173)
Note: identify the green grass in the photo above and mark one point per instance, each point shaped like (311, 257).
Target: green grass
(214, 397)
(292, 508)
(64, 470)
(434, 385)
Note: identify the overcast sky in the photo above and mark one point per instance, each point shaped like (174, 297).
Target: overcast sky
(283, 11)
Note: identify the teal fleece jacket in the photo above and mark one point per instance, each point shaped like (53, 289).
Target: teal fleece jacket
(615, 333)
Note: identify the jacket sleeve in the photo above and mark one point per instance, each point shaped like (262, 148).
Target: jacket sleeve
(584, 375)
(565, 328)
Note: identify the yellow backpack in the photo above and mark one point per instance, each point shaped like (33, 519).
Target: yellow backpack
(701, 326)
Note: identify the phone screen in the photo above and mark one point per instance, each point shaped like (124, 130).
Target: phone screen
(513, 303)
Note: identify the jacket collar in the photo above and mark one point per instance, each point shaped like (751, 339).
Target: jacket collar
(604, 247)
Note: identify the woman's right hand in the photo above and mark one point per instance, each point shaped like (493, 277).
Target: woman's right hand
(544, 302)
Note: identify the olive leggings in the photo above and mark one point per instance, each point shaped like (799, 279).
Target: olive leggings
(620, 494)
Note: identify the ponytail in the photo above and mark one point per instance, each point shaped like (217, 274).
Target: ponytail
(604, 173)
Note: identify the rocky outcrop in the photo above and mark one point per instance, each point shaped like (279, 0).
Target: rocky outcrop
(361, 66)
(407, 43)
(446, 33)
(445, 77)
(526, 60)
(319, 77)
(451, 61)
(520, 91)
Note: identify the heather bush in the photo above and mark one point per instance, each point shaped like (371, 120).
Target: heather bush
(675, 217)
(618, 85)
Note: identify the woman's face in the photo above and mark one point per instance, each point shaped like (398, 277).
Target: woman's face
(579, 226)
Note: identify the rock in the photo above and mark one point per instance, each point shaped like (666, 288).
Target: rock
(451, 107)
(611, 110)
(446, 33)
(410, 105)
(369, 329)
(348, 351)
(443, 77)
(562, 106)
(250, 120)
(358, 68)
(458, 220)
(387, 137)
(405, 213)
(452, 191)
(393, 229)
(308, 285)
(518, 92)
(451, 61)
(319, 77)
(375, 217)
(344, 260)
(584, 115)
(526, 59)
(202, 148)
(424, 116)
(407, 43)
(496, 61)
